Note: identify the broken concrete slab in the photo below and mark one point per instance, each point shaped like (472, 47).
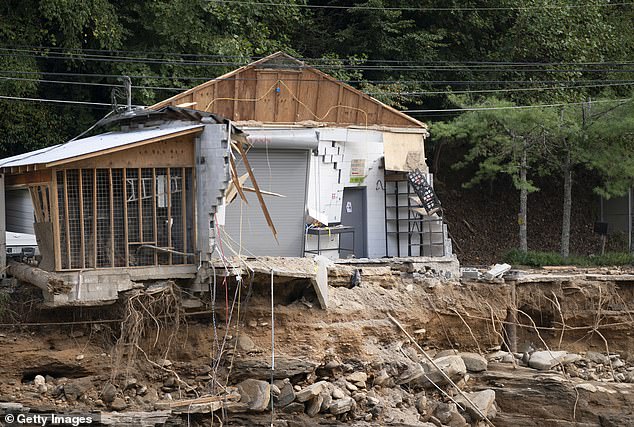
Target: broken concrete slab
(496, 271)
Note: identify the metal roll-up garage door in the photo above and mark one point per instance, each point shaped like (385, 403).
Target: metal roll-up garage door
(284, 172)
(19, 211)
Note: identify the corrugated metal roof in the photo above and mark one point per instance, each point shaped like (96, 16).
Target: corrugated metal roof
(93, 144)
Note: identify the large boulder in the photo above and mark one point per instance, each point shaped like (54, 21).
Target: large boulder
(484, 400)
(75, 389)
(545, 360)
(452, 366)
(256, 394)
(474, 362)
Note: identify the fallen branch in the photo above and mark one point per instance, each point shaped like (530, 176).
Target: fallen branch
(45, 280)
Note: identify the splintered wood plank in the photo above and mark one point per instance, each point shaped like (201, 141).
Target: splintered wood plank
(81, 219)
(45, 204)
(33, 191)
(235, 179)
(55, 219)
(67, 219)
(257, 189)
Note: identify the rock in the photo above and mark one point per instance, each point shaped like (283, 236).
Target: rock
(43, 388)
(170, 382)
(474, 362)
(79, 357)
(421, 405)
(74, 389)
(595, 357)
(412, 373)
(118, 404)
(444, 353)
(164, 363)
(498, 355)
(508, 358)
(452, 366)
(310, 391)
(357, 377)
(337, 393)
(39, 380)
(287, 394)
(76, 334)
(351, 386)
(327, 401)
(245, 343)
(314, 405)
(275, 391)
(444, 411)
(372, 401)
(382, 378)
(484, 400)
(255, 393)
(617, 363)
(341, 406)
(294, 408)
(108, 393)
(569, 358)
(545, 360)
(587, 386)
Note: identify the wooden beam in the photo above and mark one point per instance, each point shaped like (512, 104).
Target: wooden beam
(112, 264)
(235, 179)
(33, 191)
(184, 210)
(169, 213)
(45, 203)
(125, 217)
(257, 189)
(39, 177)
(55, 219)
(155, 235)
(140, 202)
(67, 219)
(94, 216)
(127, 146)
(81, 219)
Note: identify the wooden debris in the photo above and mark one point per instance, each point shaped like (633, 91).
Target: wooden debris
(45, 280)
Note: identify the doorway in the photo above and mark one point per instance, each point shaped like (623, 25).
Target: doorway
(354, 214)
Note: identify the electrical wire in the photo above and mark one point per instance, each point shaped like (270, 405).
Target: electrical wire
(418, 9)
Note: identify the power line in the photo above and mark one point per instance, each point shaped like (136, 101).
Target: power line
(89, 83)
(55, 101)
(419, 9)
(515, 107)
(110, 52)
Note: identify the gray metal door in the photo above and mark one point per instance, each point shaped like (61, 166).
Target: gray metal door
(284, 172)
(353, 213)
(19, 211)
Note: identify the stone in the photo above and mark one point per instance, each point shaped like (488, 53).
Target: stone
(108, 393)
(497, 355)
(118, 404)
(79, 357)
(294, 408)
(382, 378)
(170, 382)
(412, 373)
(569, 358)
(341, 406)
(314, 405)
(351, 386)
(452, 366)
(508, 358)
(484, 400)
(75, 389)
(444, 353)
(357, 377)
(287, 394)
(545, 360)
(421, 405)
(595, 357)
(39, 380)
(474, 362)
(372, 401)
(617, 363)
(337, 393)
(245, 343)
(587, 387)
(310, 391)
(443, 411)
(42, 388)
(327, 401)
(255, 393)
(275, 391)
(164, 363)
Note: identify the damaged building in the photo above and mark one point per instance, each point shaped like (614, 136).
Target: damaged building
(273, 159)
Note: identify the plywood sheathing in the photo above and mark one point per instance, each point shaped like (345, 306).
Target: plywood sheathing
(281, 89)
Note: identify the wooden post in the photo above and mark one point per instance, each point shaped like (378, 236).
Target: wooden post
(154, 214)
(140, 199)
(95, 216)
(112, 264)
(55, 220)
(184, 211)
(81, 219)
(511, 319)
(67, 219)
(125, 217)
(169, 213)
